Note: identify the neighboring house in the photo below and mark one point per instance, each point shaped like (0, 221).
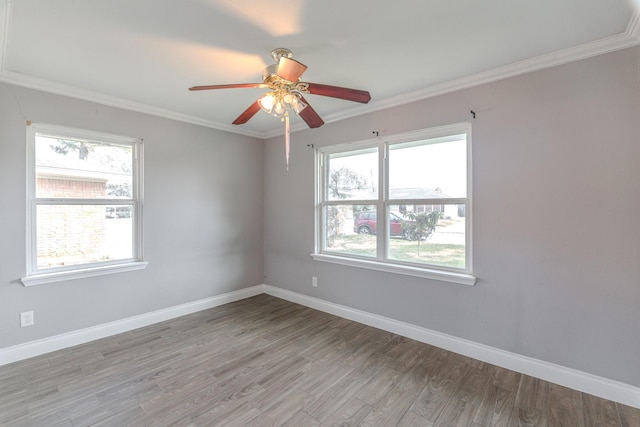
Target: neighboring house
(425, 193)
(87, 223)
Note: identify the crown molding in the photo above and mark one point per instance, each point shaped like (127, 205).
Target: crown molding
(5, 12)
(629, 38)
(599, 47)
(633, 29)
(18, 79)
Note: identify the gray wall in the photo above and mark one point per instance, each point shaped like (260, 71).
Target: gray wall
(556, 241)
(202, 218)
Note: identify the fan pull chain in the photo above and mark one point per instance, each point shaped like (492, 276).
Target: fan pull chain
(287, 131)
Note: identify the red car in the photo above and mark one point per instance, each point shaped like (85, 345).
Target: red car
(365, 223)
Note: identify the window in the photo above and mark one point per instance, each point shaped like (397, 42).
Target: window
(84, 204)
(400, 204)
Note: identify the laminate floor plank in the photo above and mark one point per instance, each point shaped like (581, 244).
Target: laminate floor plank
(419, 376)
(264, 361)
(496, 406)
(59, 403)
(526, 417)
(78, 357)
(325, 403)
(370, 363)
(531, 403)
(44, 412)
(505, 379)
(351, 413)
(276, 404)
(103, 416)
(629, 417)
(378, 386)
(391, 409)
(474, 386)
(565, 407)
(280, 369)
(364, 357)
(411, 419)
(440, 390)
(404, 356)
(234, 412)
(14, 415)
(457, 413)
(299, 419)
(600, 412)
(324, 377)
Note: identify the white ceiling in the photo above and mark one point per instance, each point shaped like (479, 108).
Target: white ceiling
(144, 54)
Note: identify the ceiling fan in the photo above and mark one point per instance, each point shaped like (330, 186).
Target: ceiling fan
(283, 79)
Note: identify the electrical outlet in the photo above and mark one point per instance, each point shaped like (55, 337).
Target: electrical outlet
(314, 282)
(26, 319)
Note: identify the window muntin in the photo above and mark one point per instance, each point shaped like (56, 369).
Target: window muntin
(84, 200)
(424, 177)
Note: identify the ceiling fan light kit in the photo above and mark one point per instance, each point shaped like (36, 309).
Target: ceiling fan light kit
(278, 103)
(283, 79)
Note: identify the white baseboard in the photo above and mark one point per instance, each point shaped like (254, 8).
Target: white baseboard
(567, 377)
(577, 380)
(69, 339)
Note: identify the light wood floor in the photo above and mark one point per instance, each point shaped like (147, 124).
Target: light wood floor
(264, 361)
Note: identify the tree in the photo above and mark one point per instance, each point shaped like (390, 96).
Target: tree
(342, 181)
(65, 146)
(119, 189)
(98, 156)
(420, 226)
(335, 220)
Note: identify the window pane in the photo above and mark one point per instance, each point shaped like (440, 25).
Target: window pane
(428, 169)
(76, 169)
(80, 234)
(352, 175)
(429, 234)
(350, 229)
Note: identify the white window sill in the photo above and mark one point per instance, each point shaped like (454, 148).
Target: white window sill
(59, 276)
(445, 276)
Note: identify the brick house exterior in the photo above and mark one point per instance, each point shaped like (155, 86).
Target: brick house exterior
(83, 226)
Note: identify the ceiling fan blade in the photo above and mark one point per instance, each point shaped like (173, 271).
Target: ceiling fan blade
(230, 86)
(290, 69)
(354, 95)
(247, 114)
(309, 115)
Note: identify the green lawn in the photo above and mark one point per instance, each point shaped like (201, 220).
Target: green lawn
(448, 255)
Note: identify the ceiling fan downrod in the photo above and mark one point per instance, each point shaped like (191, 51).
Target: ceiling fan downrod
(281, 52)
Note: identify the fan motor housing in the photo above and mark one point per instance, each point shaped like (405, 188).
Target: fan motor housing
(270, 72)
(270, 76)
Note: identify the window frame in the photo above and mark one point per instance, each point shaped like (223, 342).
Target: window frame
(38, 276)
(382, 260)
